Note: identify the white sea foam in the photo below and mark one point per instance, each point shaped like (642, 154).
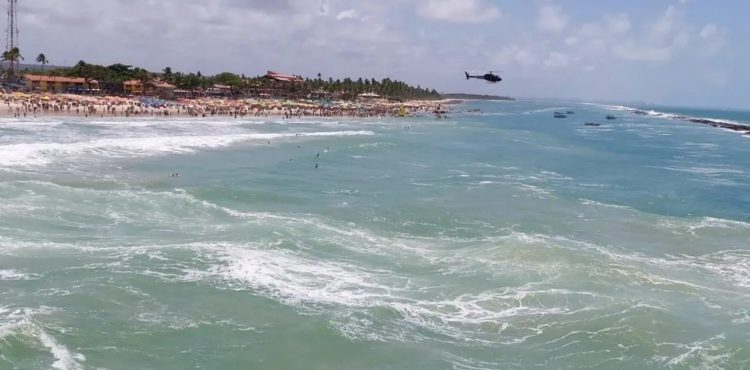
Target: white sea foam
(535, 191)
(40, 153)
(294, 279)
(331, 286)
(589, 202)
(544, 110)
(377, 145)
(15, 275)
(732, 267)
(694, 226)
(709, 146)
(667, 115)
(21, 322)
(64, 358)
(707, 171)
(706, 354)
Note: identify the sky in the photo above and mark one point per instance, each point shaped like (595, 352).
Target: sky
(680, 52)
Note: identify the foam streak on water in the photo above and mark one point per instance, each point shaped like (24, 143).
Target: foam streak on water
(500, 239)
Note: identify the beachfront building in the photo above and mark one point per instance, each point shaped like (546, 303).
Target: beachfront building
(58, 84)
(152, 88)
(219, 90)
(276, 76)
(134, 87)
(368, 96)
(280, 85)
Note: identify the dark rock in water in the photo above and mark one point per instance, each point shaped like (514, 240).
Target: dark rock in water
(559, 115)
(703, 121)
(719, 124)
(592, 124)
(611, 117)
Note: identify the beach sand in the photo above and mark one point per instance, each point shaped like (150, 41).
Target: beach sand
(15, 104)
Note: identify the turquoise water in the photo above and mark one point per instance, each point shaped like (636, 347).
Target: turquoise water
(501, 239)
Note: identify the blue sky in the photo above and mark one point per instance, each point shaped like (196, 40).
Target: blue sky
(686, 52)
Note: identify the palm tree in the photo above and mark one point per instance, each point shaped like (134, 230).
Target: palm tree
(12, 56)
(42, 59)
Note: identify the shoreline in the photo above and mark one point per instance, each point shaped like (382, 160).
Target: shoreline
(26, 105)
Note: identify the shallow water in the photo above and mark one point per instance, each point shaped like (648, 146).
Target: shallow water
(502, 239)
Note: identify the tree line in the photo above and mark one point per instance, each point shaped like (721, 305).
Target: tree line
(111, 77)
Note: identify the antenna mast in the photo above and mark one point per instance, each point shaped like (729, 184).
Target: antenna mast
(12, 33)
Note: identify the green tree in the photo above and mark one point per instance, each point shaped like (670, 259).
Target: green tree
(12, 56)
(227, 78)
(42, 59)
(118, 73)
(168, 75)
(144, 77)
(189, 82)
(83, 70)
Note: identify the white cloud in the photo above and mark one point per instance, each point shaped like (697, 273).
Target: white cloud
(524, 57)
(709, 31)
(589, 68)
(664, 28)
(557, 60)
(632, 51)
(667, 36)
(713, 38)
(594, 40)
(459, 11)
(617, 24)
(610, 26)
(513, 54)
(323, 8)
(347, 14)
(551, 19)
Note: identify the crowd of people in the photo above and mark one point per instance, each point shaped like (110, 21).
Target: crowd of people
(17, 104)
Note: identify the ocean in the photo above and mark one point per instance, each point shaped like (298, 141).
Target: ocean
(494, 239)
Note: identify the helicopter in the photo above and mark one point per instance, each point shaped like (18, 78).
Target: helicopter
(489, 77)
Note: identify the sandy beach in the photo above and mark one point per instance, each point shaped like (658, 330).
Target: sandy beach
(18, 104)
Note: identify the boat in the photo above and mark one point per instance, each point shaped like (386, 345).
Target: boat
(594, 124)
(611, 117)
(570, 112)
(560, 115)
